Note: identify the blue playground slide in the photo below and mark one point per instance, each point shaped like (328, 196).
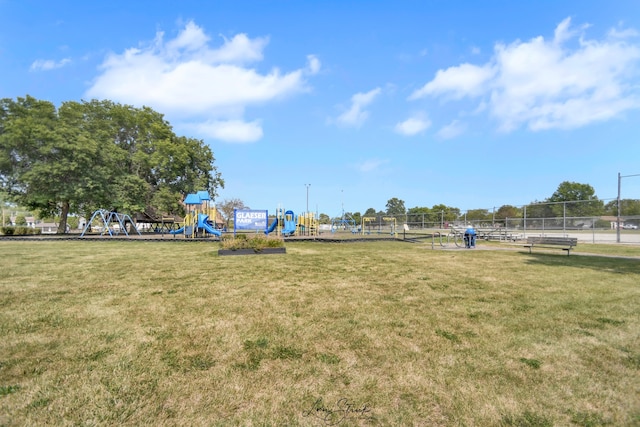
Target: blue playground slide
(272, 226)
(203, 224)
(289, 224)
(178, 231)
(209, 229)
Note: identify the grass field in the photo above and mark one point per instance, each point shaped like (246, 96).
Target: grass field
(368, 333)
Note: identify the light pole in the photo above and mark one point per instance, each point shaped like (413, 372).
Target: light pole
(618, 218)
(307, 185)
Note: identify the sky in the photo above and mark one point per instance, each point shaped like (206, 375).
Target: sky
(341, 105)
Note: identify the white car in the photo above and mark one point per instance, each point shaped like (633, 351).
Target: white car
(630, 227)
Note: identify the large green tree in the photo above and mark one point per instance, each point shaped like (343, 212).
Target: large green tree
(98, 154)
(395, 206)
(575, 199)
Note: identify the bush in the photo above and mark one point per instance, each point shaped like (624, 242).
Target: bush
(255, 242)
(7, 231)
(19, 231)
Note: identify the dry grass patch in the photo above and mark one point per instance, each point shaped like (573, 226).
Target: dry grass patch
(374, 333)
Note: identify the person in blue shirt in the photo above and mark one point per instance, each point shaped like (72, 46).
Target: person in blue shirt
(470, 237)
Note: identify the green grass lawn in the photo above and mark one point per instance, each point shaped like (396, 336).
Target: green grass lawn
(367, 333)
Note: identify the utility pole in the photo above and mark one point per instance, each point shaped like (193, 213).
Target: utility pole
(307, 185)
(619, 201)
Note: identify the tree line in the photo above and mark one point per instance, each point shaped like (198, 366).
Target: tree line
(571, 199)
(95, 154)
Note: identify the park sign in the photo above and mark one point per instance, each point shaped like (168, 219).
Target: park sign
(250, 219)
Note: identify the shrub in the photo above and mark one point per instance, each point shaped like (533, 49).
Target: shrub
(255, 242)
(7, 231)
(19, 231)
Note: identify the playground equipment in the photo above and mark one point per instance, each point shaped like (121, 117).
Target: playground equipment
(197, 221)
(345, 222)
(287, 223)
(111, 222)
(389, 221)
(308, 225)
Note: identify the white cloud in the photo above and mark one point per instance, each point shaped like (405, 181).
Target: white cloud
(457, 82)
(188, 79)
(356, 115)
(544, 84)
(452, 130)
(48, 64)
(313, 64)
(370, 165)
(231, 130)
(413, 125)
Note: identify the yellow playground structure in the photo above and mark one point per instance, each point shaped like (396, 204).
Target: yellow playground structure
(201, 219)
(286, 223)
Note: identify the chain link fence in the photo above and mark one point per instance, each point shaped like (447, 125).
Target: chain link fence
(557, 219)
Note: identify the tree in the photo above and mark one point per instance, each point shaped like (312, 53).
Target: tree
(539, 210)
(628, 207)
(575, 199)
(420, 215)
(508, 211)
(98, 154)
(44, 157)
(370, 212)
(228, 206)
(395, 207)
(21, 220)
(357, 217)
(478, 215)
(323, 218)
(446, 213)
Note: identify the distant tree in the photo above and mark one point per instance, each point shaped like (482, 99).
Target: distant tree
(73, 222)
(357, 217)
(627, 207)
(538, 209)
(446, 213)
(478, 215)
(228, 206)
(395, 206)
(508, 211)
(21, 220)
(575, 199)
(324, 219)
(420, 214)
(370, 212)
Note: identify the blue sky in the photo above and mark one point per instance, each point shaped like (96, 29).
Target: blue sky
(470, 104)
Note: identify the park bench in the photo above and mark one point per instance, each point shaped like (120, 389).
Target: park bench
(564, 243)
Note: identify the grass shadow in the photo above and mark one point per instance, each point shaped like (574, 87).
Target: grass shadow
(594, 262)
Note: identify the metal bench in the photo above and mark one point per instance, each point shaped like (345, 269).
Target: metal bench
(564, 243)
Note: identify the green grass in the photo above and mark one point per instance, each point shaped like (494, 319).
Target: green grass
(368, 333)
